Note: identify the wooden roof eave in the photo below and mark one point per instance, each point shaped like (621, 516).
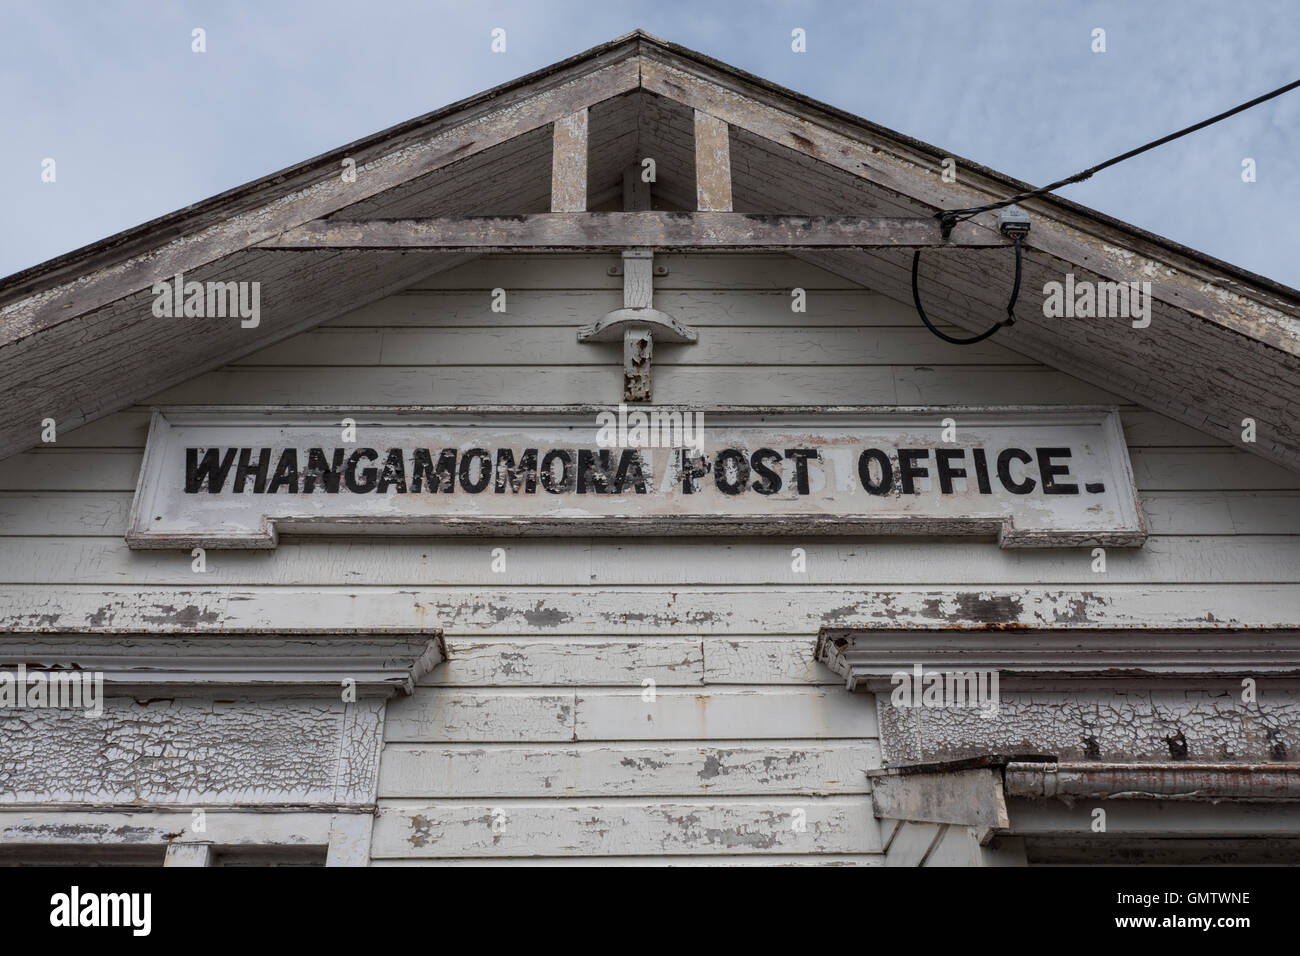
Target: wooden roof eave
(227, 228)
(258, 193)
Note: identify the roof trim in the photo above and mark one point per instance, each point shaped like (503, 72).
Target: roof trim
(1012, 184)
(122, 245)
(868, 659)
(53, 271)
(375, 663)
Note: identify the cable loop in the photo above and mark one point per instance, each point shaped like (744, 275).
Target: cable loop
(950, 217)
(1011, 305)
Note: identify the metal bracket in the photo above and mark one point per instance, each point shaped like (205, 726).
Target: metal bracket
(638, 323)
(613, 324)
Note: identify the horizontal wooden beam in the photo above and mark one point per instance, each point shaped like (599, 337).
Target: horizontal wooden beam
(618, 230)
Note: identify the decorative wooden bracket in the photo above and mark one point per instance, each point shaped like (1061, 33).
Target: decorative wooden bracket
(639, 323)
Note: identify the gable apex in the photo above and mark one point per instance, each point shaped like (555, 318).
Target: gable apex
(1225, 345)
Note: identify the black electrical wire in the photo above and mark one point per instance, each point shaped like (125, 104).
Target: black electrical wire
(1011, 305)
(956, 215)
(949, 217)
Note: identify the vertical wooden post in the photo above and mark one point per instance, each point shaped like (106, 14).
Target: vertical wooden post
(712, 163)
(636, 191)
(638, 342)
(569, 164)
(638, 351)
(638, 278)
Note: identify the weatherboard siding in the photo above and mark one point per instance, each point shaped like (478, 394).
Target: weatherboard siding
(533, 741)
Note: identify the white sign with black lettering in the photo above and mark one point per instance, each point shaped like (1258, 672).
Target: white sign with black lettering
(1040, 477)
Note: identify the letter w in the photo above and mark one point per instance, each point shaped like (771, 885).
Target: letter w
(208, 469)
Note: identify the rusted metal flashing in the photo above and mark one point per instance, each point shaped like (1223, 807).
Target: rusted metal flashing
(1170, 781)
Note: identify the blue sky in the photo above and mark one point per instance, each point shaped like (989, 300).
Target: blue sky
(139, 125)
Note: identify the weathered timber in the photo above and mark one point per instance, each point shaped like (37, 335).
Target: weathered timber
(1201, 721)
(1212, 560)
(556, 232)
(375, 664)
(1166, 820)
(712, 164)
(712, 860)
(627, 769)
(420, 829)
(704, 610)
(869, 659)
(344, 835)
(1205, 517)
(148, 354)
(249, 751)
(636, 191)
(569, 164)
(724, 713)
(909, 172)
(638, 322)
(456, 134)
(638, 354)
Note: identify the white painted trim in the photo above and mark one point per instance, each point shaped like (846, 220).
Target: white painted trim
(296, 663)
(345, 835)
(349, 839)
(972, 796)
(1025, 658)
(188, 854)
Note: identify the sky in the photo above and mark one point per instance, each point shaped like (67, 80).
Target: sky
(138, 124)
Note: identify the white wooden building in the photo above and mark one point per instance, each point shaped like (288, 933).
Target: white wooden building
(402, 676)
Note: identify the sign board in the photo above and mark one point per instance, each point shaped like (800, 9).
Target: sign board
(1034, 477)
